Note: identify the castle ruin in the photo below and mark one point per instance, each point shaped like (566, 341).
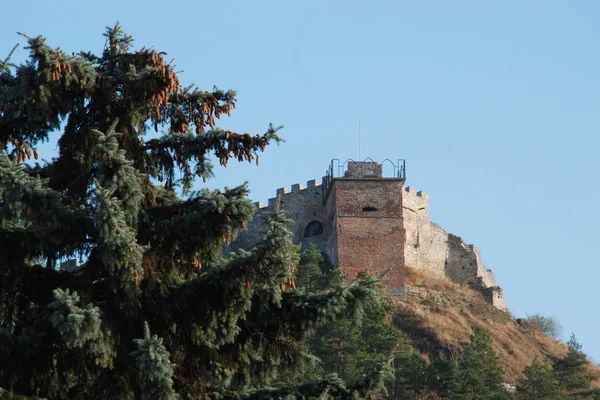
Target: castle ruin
(363, 221)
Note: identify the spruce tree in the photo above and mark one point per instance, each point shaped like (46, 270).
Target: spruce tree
(351, 348)
(154, 311)
(572, 373)
(412, 375)
(442, 373)
(347, 347)
(478, 373)
(315, 273)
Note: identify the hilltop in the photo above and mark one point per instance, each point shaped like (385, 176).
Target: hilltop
(437, 315)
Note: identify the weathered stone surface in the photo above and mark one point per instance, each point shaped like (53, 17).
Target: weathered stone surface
(364, 169)
(494, 296)
(425, 246)
(422, 294)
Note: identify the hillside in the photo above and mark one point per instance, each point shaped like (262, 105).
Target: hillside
(437, 315)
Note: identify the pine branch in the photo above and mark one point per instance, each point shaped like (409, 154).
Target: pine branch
(118, 249)
(301, 313)
(180, 150)
(155, 369)
(245, 306)
(115, 172)
(5, 64)
(55, 83)
(193, 231)
(44, 221)
(5, 394)
(274, 336)
(329, 388)
(227, 291)
(81, 327)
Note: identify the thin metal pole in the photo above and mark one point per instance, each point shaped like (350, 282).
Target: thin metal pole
(360, 140)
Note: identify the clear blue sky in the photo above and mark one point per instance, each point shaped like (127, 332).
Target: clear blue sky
(494, 105)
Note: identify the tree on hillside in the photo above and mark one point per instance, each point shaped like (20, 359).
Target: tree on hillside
(412, 377)
(478, 373)
(347, 347)
(154, 311)
(572, 371)
(442, 372)
(548, 325)
(539, 382)
(315, 273)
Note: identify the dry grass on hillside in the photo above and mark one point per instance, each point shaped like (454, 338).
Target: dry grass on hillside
(438, 315)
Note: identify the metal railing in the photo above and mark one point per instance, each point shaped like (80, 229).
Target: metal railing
(338, 169)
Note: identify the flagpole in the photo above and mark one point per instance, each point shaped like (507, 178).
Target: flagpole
(360, 157)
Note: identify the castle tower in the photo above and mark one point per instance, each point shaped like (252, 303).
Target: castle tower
(364, 219)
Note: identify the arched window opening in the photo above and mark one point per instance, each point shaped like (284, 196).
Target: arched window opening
(314, 228)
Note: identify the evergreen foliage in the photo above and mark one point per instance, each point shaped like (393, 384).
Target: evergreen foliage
(417, 379)
(442, 372)
(474, 374)
(315, 273)
(412, 378)
(539, 382)
(81, 328)
(155, 369)
(478, 374)
(573, 376)
(564, 378)
(349, 347)
(221, 327)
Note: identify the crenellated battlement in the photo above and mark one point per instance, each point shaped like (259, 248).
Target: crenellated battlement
(416, 202)
(412, 191)
(297, 189)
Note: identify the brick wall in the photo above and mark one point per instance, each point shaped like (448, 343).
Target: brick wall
(368, 228)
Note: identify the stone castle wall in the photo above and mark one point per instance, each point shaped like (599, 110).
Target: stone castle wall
(304, 206)
(372, 223)
(425, 247)
(429, 247)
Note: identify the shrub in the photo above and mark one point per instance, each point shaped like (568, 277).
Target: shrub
(546, 324)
